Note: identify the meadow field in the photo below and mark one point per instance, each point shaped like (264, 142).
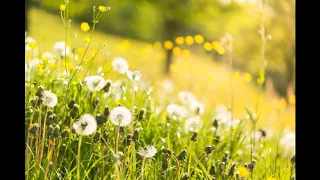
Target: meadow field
(98, 106)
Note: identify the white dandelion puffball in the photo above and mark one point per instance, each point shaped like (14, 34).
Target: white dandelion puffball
(86, 125)
(120, 65)
(224, 117)
(186, 97)
(33, 64)
(193, 124)
(120, 116)
(148, 151)
(288, 142)
(176, 112)
(197, 107)
(95, 83)
(134, 75)
(61, 48)
(168, 85)
(49, 99)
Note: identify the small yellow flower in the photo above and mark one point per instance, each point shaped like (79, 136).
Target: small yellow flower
(218, 47)
(157, 45)
(271, 178)
(46, 58)
(179, 40)
(292, 99)
(80, 50)
(126, 43)
(247, 77)
(173, 67)
(185, 52)
(32, 44)
(176, 50)
(62, 7)
(102, 8)
(52, 66)
(282, 103)
(243, 171)
(39, 66)
(199, 39)
(86, 40)
(207, 46)
(41, 71)
(164, 121)
(236, 75)
(189, 40)
(85, 26)
(93, 51)
(168, 44)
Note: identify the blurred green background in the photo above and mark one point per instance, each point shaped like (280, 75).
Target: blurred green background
(160, 20)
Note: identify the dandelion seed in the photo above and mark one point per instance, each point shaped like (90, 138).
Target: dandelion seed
(176, 112)
(85, 26)
(148, 151)
(95, 83)
(120, 116)
(186, 97)
(134, 75)
(193, 124)
(120, 65)
(61, 48)
(49, 99)
(86, 125)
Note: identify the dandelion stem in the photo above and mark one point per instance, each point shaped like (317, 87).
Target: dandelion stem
(142, 166)
(178, 166)
(43, 134)
(38, 135)
(50, 146)
(132, 109)
(117, 138)
(78, 158)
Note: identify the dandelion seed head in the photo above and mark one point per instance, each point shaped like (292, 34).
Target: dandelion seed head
(61, 48)
(176, 112)
(120, 65)
(288, 142)
(95, 83)
(120, 116)
(148, 151)
(168, 85)
(86, 125)
(134, 75)
(186, 97)
(197, 107)
(193, 124)
(49, 99)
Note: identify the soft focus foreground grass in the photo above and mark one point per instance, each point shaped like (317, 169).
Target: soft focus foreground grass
(208, 80)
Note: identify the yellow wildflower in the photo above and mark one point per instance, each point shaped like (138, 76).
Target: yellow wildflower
(243, 171)
(62, 7)
(189, 40)
(168, 44)
(179, 40)
(247, 77)
(207, 46)
(199, 39)
(85, 26)
(176, 50)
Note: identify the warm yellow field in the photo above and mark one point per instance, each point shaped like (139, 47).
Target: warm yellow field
(208, 80)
